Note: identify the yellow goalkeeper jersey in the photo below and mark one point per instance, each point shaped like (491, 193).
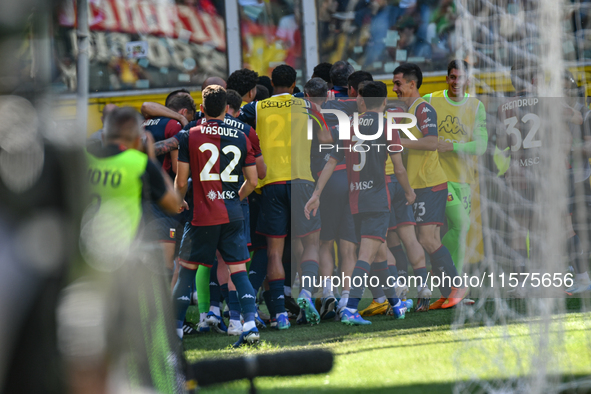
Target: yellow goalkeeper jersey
(462, 123)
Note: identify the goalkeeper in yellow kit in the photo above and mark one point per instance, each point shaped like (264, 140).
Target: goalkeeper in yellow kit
(462, 137)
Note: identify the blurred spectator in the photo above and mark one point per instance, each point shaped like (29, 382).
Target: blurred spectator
(339, 72)
(96, 138)
(410, 42)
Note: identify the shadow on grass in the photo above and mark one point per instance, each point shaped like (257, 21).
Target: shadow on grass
(564, 384)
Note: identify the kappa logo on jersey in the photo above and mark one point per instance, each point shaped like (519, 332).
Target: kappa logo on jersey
(280, 104)
(452, 125)
(183, 298)
(425, 109)
(247, 296)
(213, 284)
(364, 185)
(225, 195)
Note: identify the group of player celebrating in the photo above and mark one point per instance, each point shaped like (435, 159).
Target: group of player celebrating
(384, 208)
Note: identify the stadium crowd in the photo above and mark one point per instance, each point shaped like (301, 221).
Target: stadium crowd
(237, 191)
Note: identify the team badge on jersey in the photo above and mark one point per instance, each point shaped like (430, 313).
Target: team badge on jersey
(450, 197)
(172, 233)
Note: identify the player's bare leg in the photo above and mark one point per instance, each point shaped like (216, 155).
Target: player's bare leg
(348, 258)
(416, 256)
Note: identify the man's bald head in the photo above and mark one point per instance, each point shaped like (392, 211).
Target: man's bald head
(107, 110)
(213, 81)
(122, 124)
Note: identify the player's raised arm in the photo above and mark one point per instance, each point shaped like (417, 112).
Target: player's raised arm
(152, 110)
(314, 202)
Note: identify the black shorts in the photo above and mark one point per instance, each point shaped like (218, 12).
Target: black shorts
(429, 206)
(337, 220)
(301, 191)
(371, 225)
(275, 210)
(400, 213)
(200, 243)
(257, 241)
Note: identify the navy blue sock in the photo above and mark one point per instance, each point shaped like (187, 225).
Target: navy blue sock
(215, 293)
(362, 269)
(234, 305)
(393, 277)
(246, 295)
(277, 296)
(225, 293)
(181, 295)
(269, 302)
(258, 268)
(443, 261)
(309, 273)
(383, 272)
(401, 260)
(576, 254)
(422, 273)
(375, 271)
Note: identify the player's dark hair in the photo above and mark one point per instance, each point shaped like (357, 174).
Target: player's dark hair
(214, 100)
(339, 72)
(457, 65)
(373, 93)
(181, 101)
(357, 77)
(242, 81)
(283, 76)
(174, 93)
(262, 93)
(410, 72)
(234, 99)
(322, 70)
(316, 87)
(266, 81)
(122, 123)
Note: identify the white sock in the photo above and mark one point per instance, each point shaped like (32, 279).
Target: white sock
(179, 332)
(287, 291)
(380, 300)
(584, 277)
(305, 294)
(327, 291)
(249, 325)
(351, 310)
(215, 310)
(202, 316)
(279, 314)
(344, 299)
(235, 323)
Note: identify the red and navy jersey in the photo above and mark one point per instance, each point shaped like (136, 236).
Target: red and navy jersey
(319, 159)
(231, 121)
(248, 114)
(163, 128)
(366, 162)
(216, 154)
(340, 91)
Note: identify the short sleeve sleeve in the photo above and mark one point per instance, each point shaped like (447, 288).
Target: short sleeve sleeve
(254, 141)
(426, 120)
(249, 160)
(183, 146)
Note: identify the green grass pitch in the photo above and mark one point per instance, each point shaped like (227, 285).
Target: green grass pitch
(416, 355)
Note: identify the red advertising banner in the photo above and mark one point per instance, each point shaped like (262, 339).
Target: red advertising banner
(144, 17)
